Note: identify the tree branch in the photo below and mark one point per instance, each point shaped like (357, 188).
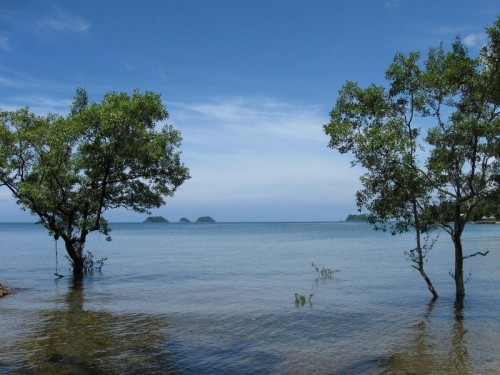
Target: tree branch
(478, 253)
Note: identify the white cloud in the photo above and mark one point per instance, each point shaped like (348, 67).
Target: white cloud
(475, 40)
(261, 152)
(62, 21)
(470, 39)
(255, 117)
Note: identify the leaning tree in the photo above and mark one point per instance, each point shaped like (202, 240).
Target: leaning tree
(429, 141)
(69, 170)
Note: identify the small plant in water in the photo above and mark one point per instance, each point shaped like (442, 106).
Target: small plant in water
(324, 273)
(89, 264)
(300, 299)
(466, 278)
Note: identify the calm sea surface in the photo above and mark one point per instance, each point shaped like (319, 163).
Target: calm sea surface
(220, 299)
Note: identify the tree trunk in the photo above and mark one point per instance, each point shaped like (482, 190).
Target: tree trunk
(459, 269)
(75, 252)
(429, 284)
(420, 252)
(459, 255)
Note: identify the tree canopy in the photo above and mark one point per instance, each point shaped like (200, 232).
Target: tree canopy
(69, 170)
(429, 141)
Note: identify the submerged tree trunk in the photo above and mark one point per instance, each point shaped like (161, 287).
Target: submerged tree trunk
(420, 251)
(459, 255)
(420, 268)
(459, 270)
(429, 284)
(75, 252)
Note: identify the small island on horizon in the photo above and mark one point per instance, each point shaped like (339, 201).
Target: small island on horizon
(205, 219)
(184, 220)
(358, 218)
(155, 219)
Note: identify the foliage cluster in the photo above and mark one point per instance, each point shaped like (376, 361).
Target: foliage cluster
(69, 170)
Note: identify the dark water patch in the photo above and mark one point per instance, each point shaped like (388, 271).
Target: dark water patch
(72, 339)
(364, 366)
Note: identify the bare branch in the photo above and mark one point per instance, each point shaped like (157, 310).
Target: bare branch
(478, 253)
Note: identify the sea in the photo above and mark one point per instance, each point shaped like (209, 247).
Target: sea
(248, 298)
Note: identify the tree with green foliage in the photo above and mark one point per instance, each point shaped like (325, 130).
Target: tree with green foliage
(69, 170)
(429, 141)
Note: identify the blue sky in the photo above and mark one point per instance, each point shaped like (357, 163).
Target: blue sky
(249, 83)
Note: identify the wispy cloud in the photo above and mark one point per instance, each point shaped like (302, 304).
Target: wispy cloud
(63, 21)
(16, 82)
(475, 40)
(392, 4)
(260, 151)
(4, 42)
(43, 97)
(255, 117)
(43, 104)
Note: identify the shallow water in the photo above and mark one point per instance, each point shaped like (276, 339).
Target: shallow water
(220, 299)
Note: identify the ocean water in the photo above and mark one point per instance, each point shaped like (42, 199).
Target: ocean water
(220, 299)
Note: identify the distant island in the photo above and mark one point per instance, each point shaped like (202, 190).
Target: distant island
(184, 220)
(155, 219)
(357, 218)
(205, 219)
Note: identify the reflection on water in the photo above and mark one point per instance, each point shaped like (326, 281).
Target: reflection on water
(425, 350)
(73, 340)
